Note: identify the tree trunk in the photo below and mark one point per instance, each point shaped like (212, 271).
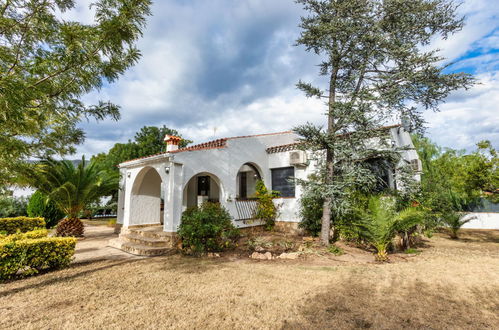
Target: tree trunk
(326, 221)
(326, 208)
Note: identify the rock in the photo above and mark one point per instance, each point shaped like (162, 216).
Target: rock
(259, 249)
(291, 255)
(261, 256)
(308, 239)
(213, 255)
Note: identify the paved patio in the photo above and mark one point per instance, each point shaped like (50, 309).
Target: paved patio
(94, 246)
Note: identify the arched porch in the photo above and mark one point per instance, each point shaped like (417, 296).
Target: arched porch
(146, 200)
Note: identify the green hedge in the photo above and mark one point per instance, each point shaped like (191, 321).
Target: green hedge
(38, 233)
(20, 224)
(32, 255)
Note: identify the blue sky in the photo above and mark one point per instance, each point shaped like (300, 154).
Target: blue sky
(222, 67)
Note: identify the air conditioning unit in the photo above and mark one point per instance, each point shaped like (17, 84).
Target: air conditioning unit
(298, 158)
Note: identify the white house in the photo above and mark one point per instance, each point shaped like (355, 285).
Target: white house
(155, 190)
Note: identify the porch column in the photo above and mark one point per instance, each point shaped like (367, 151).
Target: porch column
(121, 197)
(173, 198)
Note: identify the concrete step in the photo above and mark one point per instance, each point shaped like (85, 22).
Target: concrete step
(149, 241)
(150, 232)
(139, 249)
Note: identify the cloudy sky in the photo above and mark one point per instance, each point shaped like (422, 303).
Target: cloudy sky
(222, 68)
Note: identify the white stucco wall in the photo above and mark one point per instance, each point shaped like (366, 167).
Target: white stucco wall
(222, 164)
(482, 220)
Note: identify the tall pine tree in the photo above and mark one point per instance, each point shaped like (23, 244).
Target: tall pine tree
(376, 58)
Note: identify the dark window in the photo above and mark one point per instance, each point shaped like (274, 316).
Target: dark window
(283, 181)
(381, 169)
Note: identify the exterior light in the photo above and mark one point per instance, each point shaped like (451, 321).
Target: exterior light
(167, 169)
(129, 174)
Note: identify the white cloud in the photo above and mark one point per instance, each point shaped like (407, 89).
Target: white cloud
(469, 116)
(233, 66)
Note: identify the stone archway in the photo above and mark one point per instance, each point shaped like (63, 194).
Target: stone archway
(146, 202)
(246, 180)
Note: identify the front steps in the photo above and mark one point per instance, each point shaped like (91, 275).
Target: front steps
(145, 241)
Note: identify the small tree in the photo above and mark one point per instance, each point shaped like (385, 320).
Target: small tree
(380, 222)
(454, 221)
(41, 206)
(266, 210)
(376, 68)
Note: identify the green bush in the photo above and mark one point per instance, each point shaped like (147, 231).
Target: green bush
(336, 250)
(12, 206)
(20, 224)
(311, 213)
(40, 206)
(32, 255)
(266, 210)
(38, 233)
(207, 228)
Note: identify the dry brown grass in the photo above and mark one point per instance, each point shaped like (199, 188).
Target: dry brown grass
(451, 284)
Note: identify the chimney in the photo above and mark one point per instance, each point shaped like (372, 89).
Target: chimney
(172, 142)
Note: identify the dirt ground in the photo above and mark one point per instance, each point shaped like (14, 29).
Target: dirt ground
(450, 284)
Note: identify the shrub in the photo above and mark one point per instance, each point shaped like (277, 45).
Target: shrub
(32, 255)
(40, 206)
(38, 233)
(311, 213)
(266, 210)
(12, 206)
(381, 222)
(454, 221)
(20, 224)
(336, 250)
(207, 228)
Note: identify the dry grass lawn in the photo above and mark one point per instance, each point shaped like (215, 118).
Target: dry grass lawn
(451, 284)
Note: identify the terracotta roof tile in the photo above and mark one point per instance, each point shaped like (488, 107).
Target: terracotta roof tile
(294, 146)
(215, 144)
(283, 148)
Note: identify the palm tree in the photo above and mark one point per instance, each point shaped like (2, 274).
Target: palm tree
(72, 188)
(379, 223)
(454, 221)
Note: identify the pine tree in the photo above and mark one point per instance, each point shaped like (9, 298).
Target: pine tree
(376, 60)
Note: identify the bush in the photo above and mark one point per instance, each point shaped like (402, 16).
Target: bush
(381, 222)
(40, 206)
(266, 210)
(38, 233)
(336, 250)
(12, 206)
(20, 224)
(311, 213)
(454, 221)
(32, 255)
(207, 228)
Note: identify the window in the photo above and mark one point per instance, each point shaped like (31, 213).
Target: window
(283, 181)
